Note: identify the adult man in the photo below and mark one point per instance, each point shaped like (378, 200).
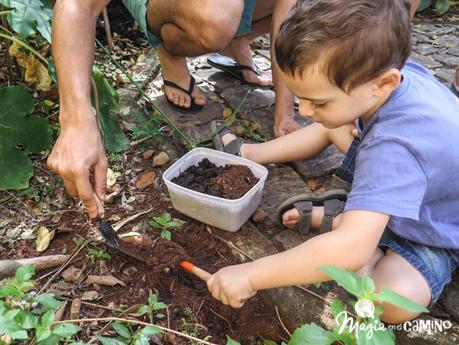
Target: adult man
(186, 28)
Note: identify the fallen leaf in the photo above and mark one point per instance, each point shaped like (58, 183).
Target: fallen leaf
(44, 236)
(111, 177)
(72, 274)
(145, 180)
(104, 280)
(227, 112)
(114, 217)
(75, 308)
(130, 234)
(90, 295)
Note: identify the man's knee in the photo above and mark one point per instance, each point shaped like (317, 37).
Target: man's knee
(220, 20)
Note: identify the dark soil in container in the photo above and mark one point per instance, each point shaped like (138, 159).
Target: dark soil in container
(229, 181)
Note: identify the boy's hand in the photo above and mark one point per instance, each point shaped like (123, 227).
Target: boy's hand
(231, 285)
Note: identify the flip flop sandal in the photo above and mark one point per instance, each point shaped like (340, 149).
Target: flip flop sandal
(233, 147)
(194, 107)
(228, 65)
(333, 202)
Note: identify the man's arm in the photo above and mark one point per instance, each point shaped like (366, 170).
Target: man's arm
(78, 151)
(283, 111)
(350, 246)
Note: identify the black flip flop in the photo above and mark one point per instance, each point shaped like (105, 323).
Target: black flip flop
(191, 109)
(228, 65)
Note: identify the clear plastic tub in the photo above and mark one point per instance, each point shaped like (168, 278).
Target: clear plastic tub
(221, 213)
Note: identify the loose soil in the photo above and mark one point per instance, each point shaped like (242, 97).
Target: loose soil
(229, 181)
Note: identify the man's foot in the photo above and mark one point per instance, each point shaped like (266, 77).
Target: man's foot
(175, 70)
(239, 50)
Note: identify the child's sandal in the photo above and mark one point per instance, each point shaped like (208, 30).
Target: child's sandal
(333, 202)
(233, 147)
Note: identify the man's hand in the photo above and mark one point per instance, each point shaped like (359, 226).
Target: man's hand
(231, 285)
(78, 152)
(285, 125)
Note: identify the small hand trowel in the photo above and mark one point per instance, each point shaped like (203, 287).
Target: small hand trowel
(110, 236)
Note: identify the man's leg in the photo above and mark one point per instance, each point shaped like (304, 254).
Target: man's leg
(190, 28)
(239, 48)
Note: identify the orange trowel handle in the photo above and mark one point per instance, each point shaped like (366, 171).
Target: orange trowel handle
(198, 272)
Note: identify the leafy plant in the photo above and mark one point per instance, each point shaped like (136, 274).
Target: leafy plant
(28, 17)
(152, 308)
(441, 6)
(107, 105)
(348, 330)
(126, 336)
(99, 254)
(22, 134)
(24, 314)
(147, 126)
(165, 222)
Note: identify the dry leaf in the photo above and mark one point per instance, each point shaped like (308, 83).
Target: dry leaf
(75, 308)
(145, 180)
(104, 280)
(227, 112)
(114, 218)
(148, 154)
(35, 71)
(111, 177)
(44, 236)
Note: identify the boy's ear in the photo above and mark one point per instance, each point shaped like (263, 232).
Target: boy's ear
(387, 82)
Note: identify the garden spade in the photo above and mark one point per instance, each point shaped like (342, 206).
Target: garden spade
(111, 237)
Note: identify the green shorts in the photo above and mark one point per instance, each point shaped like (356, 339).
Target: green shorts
(138, 9)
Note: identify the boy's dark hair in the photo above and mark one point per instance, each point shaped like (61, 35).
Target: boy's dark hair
(354, 41)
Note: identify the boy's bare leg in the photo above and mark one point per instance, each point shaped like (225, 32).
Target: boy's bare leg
(190, 28)
(304, 143)
(239, 48)
(391, 271)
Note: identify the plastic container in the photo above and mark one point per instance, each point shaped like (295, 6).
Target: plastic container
(226, 214)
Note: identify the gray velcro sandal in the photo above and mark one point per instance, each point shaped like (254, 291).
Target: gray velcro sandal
(333, 202)
(233, 147)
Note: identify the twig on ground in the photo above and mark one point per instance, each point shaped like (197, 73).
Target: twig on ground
(138, 323)
(282, 322)
(137, 142)
(123, 222)
(221, 317)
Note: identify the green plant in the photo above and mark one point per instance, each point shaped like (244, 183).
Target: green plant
(441, 6)
(24, 314)
(22, 134)
(366, 327)
(152, 308)
(165, 222)
(99, 254)
(190, 325)
(128, 336)
(147, 126)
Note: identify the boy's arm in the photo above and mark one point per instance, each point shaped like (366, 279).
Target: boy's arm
(78, 149)
(350, 246)
(283, 109)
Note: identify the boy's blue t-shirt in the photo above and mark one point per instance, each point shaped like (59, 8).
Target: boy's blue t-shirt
(407, 163)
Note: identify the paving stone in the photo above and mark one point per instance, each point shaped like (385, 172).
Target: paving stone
(448, 41)
(258, 98)
(218, 79)
(453, 51)
(282, 183)
(448, 60)
(325, 163)
(426, 61)
(450, 298)
(445, 75)
(420, 38)
(425, 49)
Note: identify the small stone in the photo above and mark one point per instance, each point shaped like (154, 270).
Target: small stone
(129, 271)
(148, 154)
(160, 159)
(259, 215)
(90, 295)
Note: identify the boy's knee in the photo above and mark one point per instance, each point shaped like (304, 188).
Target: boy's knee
(219, 22)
